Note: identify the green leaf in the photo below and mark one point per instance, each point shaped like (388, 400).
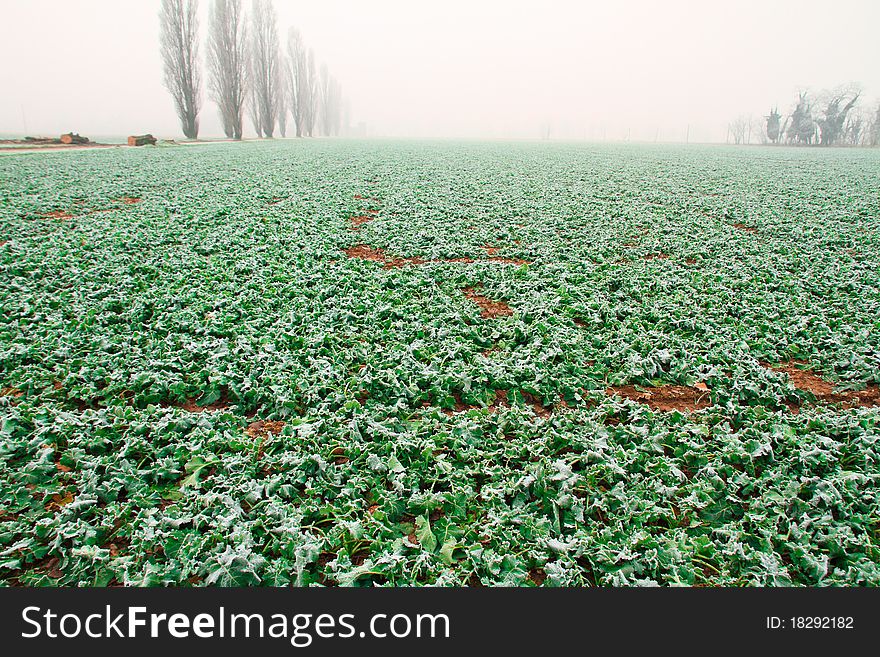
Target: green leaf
(423, 532)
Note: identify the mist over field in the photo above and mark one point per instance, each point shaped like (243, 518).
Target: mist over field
(670, 71)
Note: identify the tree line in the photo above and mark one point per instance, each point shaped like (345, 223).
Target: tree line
(828, 118)
(249, 72)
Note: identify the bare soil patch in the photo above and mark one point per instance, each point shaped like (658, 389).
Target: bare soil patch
(264, 428)
(129, 200)
(57, 214)
(500, 401)
(690, 261)
(356, 222)
(748, 229)
(537, 406)
(489, 308)
(665, 398)
(364, 252)
(656, 256)
(824, 391)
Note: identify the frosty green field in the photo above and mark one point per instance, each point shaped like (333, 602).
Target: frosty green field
(520, 364)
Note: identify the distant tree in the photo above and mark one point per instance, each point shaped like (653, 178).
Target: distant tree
(757, 127)
(296, 70)
(774, 126)
(325, 104)
(831, 124)
(265, 72)
(282, 102)
(311, 98)
(738, 128)
(336, 107)
(873, 131)
(179, 45)
(227, 63)
(801, 127)
(854, 129)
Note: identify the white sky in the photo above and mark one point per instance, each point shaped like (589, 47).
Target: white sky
(462, 68)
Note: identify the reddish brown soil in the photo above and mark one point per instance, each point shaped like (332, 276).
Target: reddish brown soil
(10, 392)
(537, 406)
(630, 245)
(129, 200)
(357, 222)
(665, 398)
(748, 229)
(656, 256)
(690, 261)
(824, 391)
(358, 197)
(263, 428)
(500, 401)
(491, 250)
(537, 576)
(365, 252)
(489, 308)
(373, 212)
(57, 214)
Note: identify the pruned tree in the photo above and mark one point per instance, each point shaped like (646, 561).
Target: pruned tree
(227, 63)
(774, 126)
(179, 46)
(831, 123)
(265, 72)
(801, 127)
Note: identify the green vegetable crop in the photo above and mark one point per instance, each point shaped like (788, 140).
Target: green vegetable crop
(211, 374)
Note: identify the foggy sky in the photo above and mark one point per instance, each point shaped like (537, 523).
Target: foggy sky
(461, 68)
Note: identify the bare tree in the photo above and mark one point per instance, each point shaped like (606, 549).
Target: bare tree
(227, 63)
(324, 102)
(297, 73)
(758, 128)
(282, 102)
(335, 107)
(738, 128)
(311, 97)
(265, 67)
(873, 130)
(179, 42)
